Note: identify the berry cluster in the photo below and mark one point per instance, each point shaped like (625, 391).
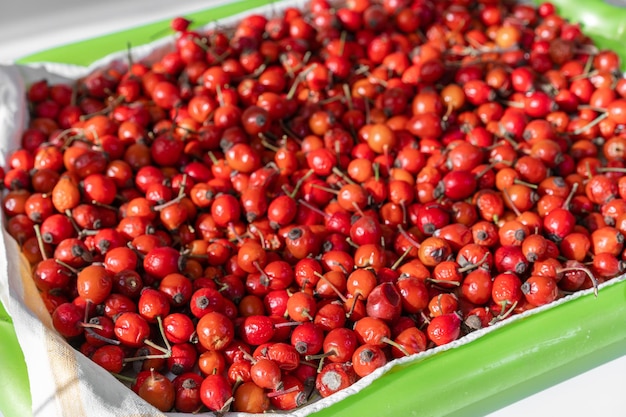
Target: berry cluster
(272, 211)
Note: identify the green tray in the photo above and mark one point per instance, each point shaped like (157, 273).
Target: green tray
(14, 387)
(508, 364)
(602, 20)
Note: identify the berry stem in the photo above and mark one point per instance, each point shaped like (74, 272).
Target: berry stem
(40, 242)
(510, 203)
(398, 261)
(71, 268)
(591, 124)
(593, 279)
(282, 392)
(332, 286)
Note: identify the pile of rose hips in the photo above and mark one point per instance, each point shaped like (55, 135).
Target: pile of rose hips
(272, 211)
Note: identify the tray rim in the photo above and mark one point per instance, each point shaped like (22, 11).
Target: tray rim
(60, 55)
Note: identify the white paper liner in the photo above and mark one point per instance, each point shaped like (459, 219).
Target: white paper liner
(95, 391)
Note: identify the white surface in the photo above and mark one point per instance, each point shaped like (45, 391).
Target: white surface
(598, 392)
(28, 26)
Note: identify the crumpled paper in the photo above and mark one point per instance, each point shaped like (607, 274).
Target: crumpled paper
(63, 382)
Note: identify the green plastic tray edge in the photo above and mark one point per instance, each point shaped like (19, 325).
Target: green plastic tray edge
(15, 400)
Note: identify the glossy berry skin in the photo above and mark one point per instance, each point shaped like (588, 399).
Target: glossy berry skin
(110, 357)
(284, 354)
(558, 224)
(476, 286)
(215, 331)
(431, 217)
(161, 261)
(367, 358)
(506, 289)
(66, 319)
(57, 228)
(458, 185)
(100, 334)
(510, 259)
(412, 340)
(187, 388)
(94, 283)
(49, 274)
(152, 304)
(539, 290)
(205, 300)
(179, 328)
(266, 373)
(183, 358)
(291, 396)
(444, 329)
(308, 339)
(157, 390)
(365, 230)
(256, 330)
(301, 307)
(414, 294)
(384, 302)
(340, 344)
(225, 209)
(215, 391)
(131, 329)
(251, 398)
